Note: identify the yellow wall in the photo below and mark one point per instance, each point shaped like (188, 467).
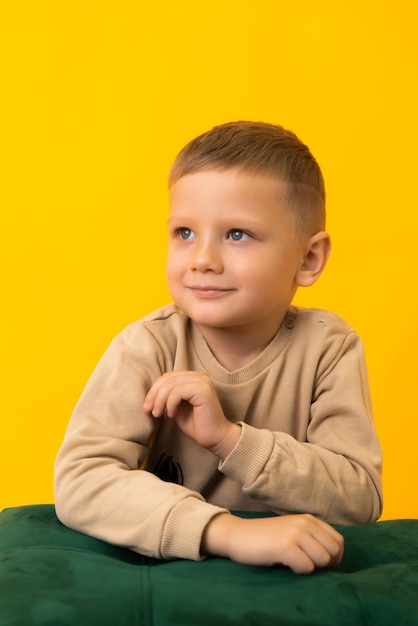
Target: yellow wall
(97, 98)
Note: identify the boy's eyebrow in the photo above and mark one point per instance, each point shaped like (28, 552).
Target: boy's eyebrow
(178, 220)
(228, 220)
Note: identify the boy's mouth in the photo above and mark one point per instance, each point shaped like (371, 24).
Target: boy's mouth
(209, 291)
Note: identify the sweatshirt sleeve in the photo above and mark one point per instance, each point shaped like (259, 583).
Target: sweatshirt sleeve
(336, 473)
(100, 488)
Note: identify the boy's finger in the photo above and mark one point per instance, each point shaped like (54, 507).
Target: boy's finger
(153, 403)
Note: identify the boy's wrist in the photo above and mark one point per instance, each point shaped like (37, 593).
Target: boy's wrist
(228, 443)
(215, 538)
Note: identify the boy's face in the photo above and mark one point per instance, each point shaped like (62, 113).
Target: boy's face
(232, 255)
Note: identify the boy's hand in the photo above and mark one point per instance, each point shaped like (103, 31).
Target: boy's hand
(190, 398)
(301, 542)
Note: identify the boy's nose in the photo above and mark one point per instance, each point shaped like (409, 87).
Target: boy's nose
(207, 258)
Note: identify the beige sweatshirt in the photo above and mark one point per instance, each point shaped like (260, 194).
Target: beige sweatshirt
(308, 443)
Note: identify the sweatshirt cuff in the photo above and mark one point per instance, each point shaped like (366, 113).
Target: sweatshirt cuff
(248, 459)
(184, 527)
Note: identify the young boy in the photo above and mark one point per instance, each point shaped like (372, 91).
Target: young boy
(230, 398)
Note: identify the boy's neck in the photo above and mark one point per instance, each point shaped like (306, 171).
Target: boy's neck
(235, 348)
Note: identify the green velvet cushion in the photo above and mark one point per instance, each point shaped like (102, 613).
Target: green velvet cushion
(52, 576)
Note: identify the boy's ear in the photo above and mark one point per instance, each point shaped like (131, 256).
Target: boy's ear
(314, 260)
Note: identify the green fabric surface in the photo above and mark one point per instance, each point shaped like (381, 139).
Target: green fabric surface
(52, 576)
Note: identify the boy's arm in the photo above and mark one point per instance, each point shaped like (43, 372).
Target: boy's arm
(336, 473)
(99, 488)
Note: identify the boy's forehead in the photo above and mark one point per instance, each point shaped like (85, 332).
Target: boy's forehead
(237, 172)
(228, 194)
(228, 182)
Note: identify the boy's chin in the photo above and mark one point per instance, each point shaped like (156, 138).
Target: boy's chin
(218, 322)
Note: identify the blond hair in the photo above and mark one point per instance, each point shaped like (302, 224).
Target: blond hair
(263, 149)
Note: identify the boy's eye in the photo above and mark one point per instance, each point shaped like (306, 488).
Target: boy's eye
(238, 235)
(185, 233)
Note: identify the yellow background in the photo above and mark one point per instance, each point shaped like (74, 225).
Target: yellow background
(98, 97)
